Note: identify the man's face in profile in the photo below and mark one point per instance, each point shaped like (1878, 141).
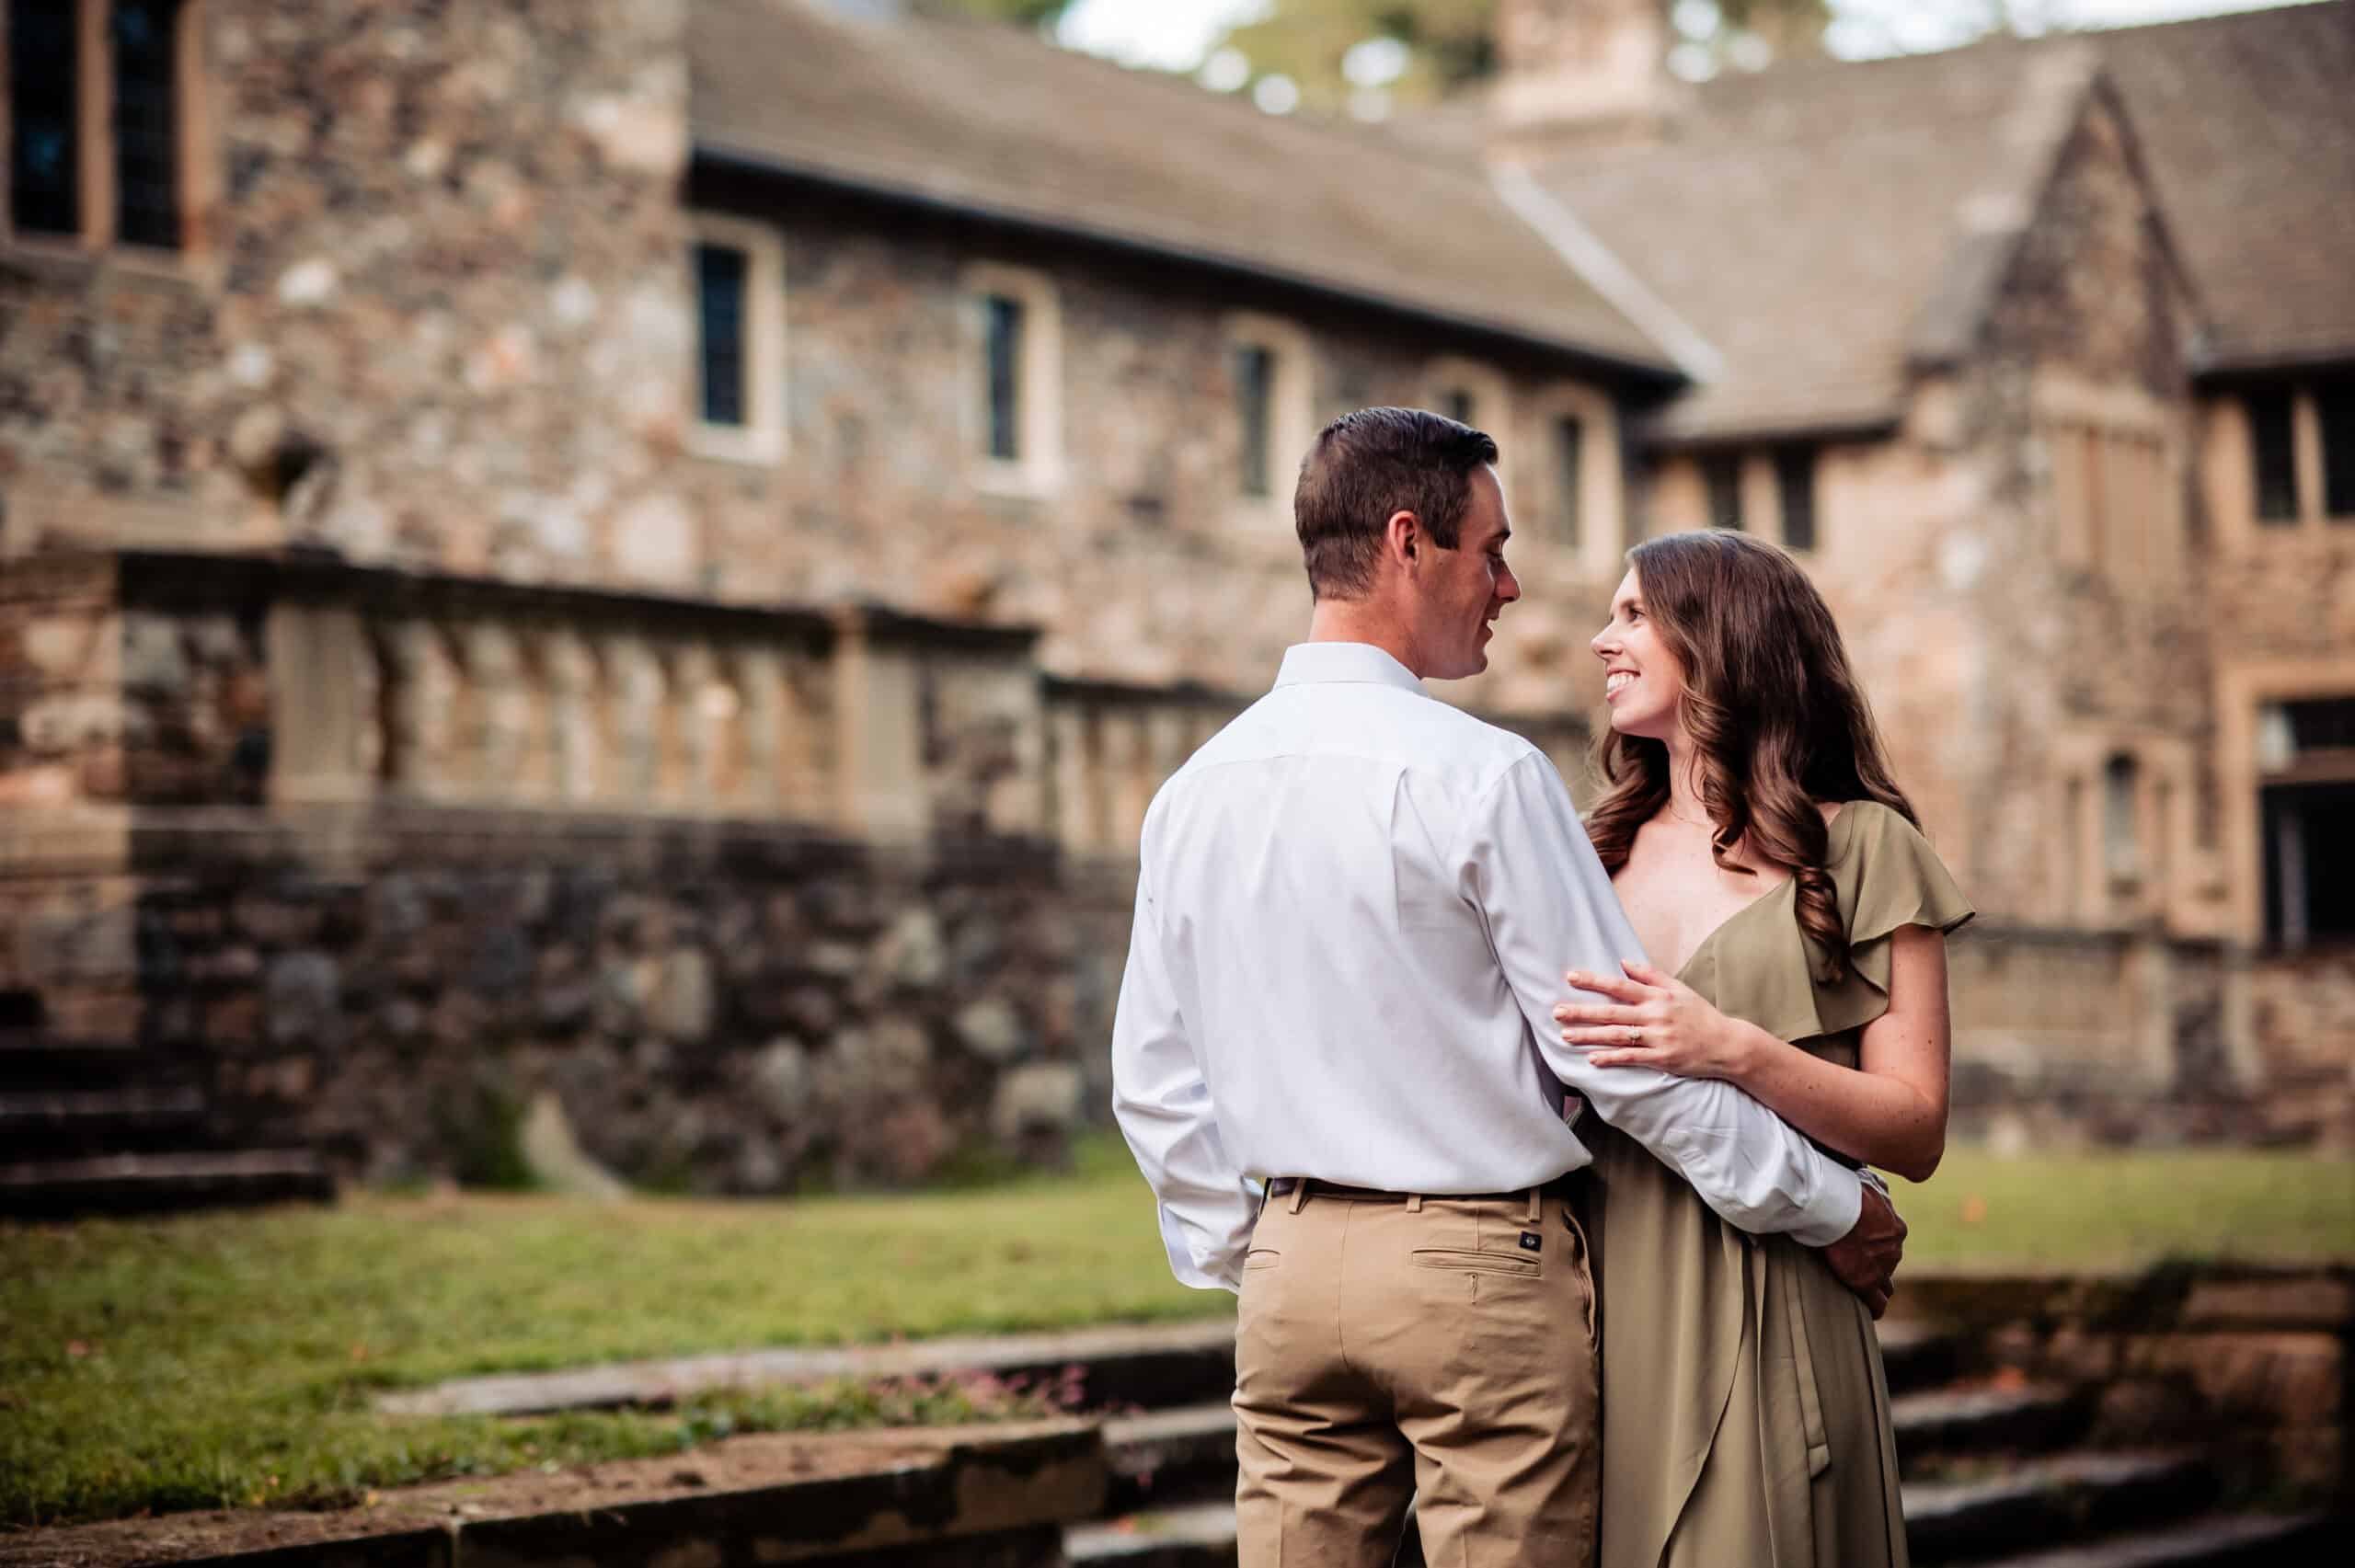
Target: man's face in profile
(1465, 588)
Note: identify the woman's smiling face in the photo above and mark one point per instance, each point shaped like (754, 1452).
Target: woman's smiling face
(1643, 685)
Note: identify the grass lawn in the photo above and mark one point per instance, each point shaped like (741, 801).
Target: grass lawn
(230, 1359)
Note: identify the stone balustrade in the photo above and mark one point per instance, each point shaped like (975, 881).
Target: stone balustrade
(1110, 747)
(152, 680)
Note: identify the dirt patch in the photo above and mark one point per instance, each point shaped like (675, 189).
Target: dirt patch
(738, 1464)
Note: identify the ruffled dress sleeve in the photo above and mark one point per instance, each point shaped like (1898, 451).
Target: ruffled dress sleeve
(1886, 876)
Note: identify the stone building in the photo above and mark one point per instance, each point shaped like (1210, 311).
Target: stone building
(646, 557)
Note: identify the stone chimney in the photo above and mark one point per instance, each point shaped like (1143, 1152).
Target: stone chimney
(1578, 73)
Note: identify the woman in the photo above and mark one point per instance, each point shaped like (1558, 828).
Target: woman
(1771, 867)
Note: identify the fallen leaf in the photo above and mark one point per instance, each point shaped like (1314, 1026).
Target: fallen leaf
(1974, 1211)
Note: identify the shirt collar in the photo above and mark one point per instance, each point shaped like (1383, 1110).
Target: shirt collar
(1331, 663)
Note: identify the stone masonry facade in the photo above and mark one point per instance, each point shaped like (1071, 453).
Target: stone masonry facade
(409, 710)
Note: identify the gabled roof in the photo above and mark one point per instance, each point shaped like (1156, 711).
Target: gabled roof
(1826, 226)
(985, 118)
(2247, 125)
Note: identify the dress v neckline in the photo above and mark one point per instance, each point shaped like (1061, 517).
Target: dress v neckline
(1718, 929)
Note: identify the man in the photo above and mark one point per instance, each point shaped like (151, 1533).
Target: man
(1336, 1061)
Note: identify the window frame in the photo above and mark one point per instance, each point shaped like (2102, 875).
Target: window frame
(1606, 511)
(1721, 478)
(197, 189)
(1492, 403)
(2287, 397)
(1038, 467)
(2337, 499)
(1783, 459)
(1291, 404)
(763, 438)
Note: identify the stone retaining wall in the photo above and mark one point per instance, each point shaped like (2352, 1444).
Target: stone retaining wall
(716, 1007)
(2256, 1360)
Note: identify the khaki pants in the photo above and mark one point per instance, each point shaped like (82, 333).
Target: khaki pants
(1436, 1348)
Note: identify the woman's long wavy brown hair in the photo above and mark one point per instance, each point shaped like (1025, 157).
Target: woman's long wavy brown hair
(1778, 723)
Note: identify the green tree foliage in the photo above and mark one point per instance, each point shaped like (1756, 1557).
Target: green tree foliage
(1452, 44)
(1448, 44)
(1029, 13)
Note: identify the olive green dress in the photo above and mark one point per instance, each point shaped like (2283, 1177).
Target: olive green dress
(1745, 1415)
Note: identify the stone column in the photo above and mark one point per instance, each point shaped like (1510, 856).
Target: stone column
(879, 748)
(498, 755)
(806, 760)
(707, 710)
(1076, 820)
(637, 687)
(420, 740)
(760, 786)
(575, 731)
(1128, 771)
(1167, 743)
(323, 719)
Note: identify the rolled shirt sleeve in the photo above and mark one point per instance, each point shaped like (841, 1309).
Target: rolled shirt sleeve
(1549, 907)
(1163, 1104)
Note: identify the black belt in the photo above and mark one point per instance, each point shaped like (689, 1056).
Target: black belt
(1283, 1186)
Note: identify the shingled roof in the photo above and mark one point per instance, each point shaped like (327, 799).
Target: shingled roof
(1824, 226)
(2247, 124)
(986, 118)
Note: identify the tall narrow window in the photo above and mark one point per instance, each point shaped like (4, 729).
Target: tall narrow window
(1254, 376)
(44, 146)
(1001, 338)
(146, 124)
(2120, 851)
(2275, 454)
(2071, 863)
(1458, 404)
(720, 279)
(2334, 411)
(1721, 472)
(1569, 477)
(1795, 493)
(2308, 805)
(2098, 482)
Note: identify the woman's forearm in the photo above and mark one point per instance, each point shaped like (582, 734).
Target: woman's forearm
(1879, 1120)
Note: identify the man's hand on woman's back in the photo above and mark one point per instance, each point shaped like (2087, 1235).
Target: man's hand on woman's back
(1866, 1258)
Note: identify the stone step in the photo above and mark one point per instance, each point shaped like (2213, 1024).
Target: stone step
(31, 1060)
(1919, 1356)
(2032, 1503)
(1150, 1364)
(1168, 1456)
(151, 1183)
(1171, 1454)
(56, 1124)
(2215, 1540)
(1200, 1535)
(2028, 1417)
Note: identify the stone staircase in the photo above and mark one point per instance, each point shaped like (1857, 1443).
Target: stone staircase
(2001, 1468)
(105, 1128)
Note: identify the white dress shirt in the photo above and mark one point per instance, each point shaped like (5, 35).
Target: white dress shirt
(1354, 907)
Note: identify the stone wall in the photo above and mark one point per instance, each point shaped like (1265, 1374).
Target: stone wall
(439, 315)
(716, 1007)
(2253, 1363)
(1141, 560)
(2088, 641)
(2064, 1039)
(2301, 1021)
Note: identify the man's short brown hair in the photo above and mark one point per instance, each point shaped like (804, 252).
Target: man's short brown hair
(1367, 464)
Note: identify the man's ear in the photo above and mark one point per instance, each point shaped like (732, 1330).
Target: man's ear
(1403, 535)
